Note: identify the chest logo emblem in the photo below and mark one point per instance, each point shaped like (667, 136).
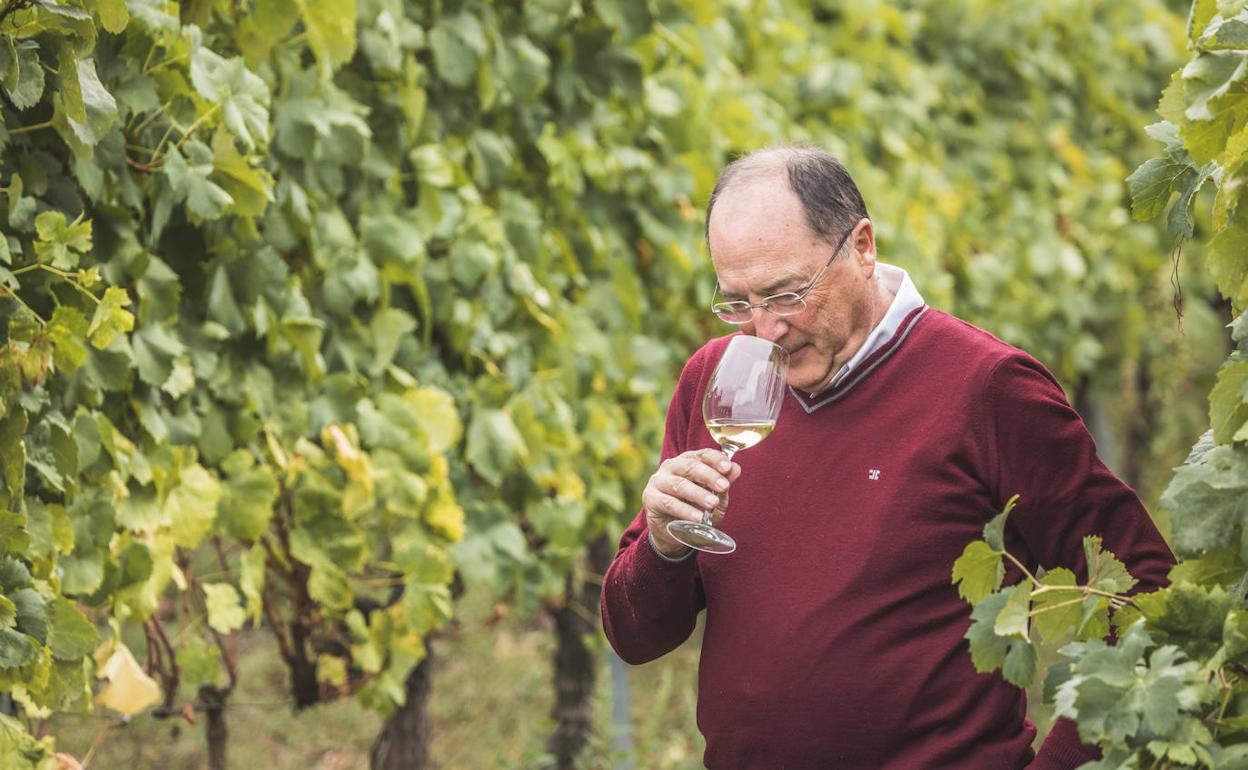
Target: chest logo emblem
(874, 474)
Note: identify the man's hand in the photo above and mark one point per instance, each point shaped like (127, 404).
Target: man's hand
(682, 488)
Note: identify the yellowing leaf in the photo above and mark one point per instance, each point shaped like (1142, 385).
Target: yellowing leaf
(225, 612)
(446, 517)
(436, 413)
(129, 689)
(110, 319)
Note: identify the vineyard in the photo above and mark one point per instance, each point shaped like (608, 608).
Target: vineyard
(336, 338)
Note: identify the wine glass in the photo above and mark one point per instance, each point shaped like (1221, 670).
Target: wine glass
(740, 408)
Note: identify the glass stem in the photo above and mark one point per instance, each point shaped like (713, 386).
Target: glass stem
(706, 514)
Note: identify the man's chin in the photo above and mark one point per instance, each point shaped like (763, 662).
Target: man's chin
(808, 384)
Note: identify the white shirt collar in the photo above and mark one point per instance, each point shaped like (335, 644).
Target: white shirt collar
(905, 299)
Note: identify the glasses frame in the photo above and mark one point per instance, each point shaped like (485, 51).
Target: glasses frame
(740, 305)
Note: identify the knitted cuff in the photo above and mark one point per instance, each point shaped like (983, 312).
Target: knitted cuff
(663, 556)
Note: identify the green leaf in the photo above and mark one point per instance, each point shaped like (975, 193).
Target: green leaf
(114, 16)
(426, 606)
(32, 613)
(13, 452)
(1227, 410)
(458, 43)
(13, 574)
(82, 572)
(1056, 612)
(305, 334)
(251, 581)
(15, 536)
(524, 67)
(8, 612)
(1019, 668)
(1220, 566)
(389, 327)
(247, 501)
(330, 26)
(70, 635)
(1118, 692)
(990, 651)
(1225, 262)
(1191, 617)
(437, 416)
(1225, 34)
(98, 105)
(140, 511)
(189, 181)
(198, 662)
(71, 87)
(994, 531)
(1152, 185)
(1208, 499)
(16, 649)
(225, 612)
(251, 188)
(1093, 618)
(110, 318)
(1105, 573)
(222, 307)
(243, 96)
(28, 89)
(191, 506)
(155, 349)
(59, 243)
(329, 586)
(1199, 15)
(1013, 618)
(494, 445)
(978, 571)
(68, 330)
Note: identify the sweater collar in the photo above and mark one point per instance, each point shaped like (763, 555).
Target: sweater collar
(905, 309)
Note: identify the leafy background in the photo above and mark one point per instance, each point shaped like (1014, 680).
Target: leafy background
(333, 328)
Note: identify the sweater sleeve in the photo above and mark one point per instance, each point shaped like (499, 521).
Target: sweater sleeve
(650, 604)
(1043, 453)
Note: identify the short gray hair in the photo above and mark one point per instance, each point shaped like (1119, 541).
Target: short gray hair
(828, 194)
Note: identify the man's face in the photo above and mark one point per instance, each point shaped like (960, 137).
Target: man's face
(761, 245)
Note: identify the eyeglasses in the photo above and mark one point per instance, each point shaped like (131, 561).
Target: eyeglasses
(783, 304)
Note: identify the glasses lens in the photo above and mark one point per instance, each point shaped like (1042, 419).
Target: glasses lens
(732, 312)
(786, 304)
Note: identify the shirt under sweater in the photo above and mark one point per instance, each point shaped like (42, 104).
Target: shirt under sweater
(834, 637)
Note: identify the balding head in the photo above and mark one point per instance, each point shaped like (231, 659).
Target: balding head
(830, 200)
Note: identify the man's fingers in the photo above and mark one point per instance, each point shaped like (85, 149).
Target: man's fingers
(689, 484)
(676, 509)
(687, 490)
(702, 475)
(714, 458)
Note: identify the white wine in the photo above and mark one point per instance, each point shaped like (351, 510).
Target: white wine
(739, 434)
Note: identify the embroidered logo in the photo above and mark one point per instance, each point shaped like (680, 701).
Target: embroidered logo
(874, 474)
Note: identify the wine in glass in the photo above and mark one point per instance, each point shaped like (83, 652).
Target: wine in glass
(740, 408)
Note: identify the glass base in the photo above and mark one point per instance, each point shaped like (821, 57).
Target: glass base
(701, 537)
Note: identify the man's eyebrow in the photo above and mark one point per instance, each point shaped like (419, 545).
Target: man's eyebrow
(768, 290)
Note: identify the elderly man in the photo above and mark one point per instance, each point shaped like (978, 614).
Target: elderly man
(833, 636)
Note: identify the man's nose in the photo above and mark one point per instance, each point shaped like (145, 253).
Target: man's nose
(768, 325)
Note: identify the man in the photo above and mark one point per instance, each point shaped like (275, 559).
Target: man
(833, 636)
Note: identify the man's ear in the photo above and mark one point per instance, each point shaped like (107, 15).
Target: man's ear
(862, 242)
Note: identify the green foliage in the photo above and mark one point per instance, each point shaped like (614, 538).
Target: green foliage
(1171, 690)
(342, 298)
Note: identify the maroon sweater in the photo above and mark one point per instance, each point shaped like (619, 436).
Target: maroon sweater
(834, 638)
